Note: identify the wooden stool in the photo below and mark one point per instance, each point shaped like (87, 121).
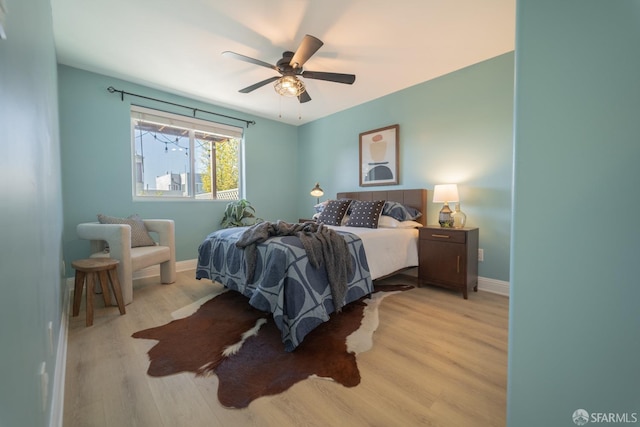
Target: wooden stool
(92, 268)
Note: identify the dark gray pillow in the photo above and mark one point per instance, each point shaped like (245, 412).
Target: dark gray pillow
(400, 212)
(365, 214)
(139, 234)
(334, 211)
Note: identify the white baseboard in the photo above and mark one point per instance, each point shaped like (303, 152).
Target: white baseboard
(485, 284)
(152, 271)
(494, 286)
(57, 393)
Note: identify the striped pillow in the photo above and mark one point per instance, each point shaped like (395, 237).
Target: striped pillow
(139, 234)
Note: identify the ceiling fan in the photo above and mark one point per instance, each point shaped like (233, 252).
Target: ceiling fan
(290, 67)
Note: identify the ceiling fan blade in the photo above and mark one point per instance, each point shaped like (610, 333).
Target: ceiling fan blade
(258, 85)
(307, 48)
(304, 97)
(249, 60)
(331, 77)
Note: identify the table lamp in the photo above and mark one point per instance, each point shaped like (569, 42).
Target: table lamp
(445, 193)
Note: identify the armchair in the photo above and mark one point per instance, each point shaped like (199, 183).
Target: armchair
(118, 238)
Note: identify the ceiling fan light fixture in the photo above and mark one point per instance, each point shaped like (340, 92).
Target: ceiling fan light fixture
(289, 86)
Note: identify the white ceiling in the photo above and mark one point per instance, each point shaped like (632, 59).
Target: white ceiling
(176, 45)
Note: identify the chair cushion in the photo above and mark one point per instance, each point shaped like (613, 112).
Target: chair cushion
(143, 256)
(139, 234)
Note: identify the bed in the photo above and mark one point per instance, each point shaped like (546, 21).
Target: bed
(391, 250)
(282, 280)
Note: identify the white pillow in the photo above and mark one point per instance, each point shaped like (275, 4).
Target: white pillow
(410, 224)
(386, 221)
(342, 223)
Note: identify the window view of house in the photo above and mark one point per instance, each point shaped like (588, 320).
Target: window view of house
(184, 158)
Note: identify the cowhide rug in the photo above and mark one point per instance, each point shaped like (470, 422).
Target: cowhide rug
(242, 346)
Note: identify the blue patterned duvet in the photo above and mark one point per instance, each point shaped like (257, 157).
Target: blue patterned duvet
(285, 284)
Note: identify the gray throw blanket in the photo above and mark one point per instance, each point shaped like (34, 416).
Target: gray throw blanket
(323, 246)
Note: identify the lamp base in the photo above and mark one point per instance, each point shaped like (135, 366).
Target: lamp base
(444, 218)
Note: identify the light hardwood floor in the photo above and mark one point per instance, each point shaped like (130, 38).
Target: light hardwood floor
(437, 360)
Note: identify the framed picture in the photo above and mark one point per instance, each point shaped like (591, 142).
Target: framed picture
(379, 156)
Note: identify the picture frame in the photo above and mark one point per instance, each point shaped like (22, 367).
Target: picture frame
(379, 156)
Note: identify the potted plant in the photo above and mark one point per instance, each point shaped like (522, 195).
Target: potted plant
(239, 213)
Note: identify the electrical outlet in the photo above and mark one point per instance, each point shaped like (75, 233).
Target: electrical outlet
(480, 254)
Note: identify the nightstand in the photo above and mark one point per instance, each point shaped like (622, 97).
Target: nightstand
(448, 257)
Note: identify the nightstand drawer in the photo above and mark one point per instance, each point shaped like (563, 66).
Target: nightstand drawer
(443, 235)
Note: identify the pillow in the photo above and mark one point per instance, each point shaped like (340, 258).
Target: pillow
(400, 212)
(386, 221)
(139, 234)
(320, 206)
(410, 224)
(334, 211)
(365, 214)
(389, 222)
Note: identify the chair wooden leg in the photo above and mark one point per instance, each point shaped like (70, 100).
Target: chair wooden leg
(90, 293)
(115, 284)
(106, 294)
(77, 292)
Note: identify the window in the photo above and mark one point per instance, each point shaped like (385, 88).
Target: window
(181, 157)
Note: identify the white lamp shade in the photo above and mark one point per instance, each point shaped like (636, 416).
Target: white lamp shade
(444, 193)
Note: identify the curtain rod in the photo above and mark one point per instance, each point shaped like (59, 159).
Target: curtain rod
(122, 93)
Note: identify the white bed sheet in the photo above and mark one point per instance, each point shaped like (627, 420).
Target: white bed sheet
(388, 249)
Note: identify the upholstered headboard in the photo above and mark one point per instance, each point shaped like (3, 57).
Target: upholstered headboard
(413, 198)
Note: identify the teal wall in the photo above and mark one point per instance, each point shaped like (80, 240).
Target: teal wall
(454, 129)
(574, 313)
(96, 159)
(457, 128)
(33, 288)
(574, 322)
